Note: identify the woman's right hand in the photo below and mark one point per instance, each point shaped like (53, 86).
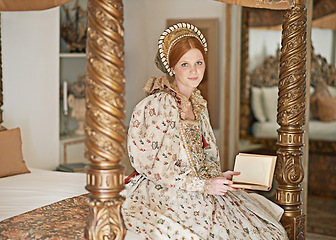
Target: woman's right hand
(219, 186)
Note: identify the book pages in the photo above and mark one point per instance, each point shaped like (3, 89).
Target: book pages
(253, 169)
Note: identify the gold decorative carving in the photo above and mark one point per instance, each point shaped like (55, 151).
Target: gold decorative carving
(291, 117)
(296, 230)
(105, 221)
(105, 113)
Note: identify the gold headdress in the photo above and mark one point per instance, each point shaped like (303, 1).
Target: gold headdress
(170, 37)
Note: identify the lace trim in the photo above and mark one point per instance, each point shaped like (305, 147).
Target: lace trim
(155, 85)
(207, 184)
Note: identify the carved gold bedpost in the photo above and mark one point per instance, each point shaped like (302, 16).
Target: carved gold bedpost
(105, 114)
(291, 118)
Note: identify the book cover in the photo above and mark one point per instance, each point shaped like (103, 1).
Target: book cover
(256, 171)
(71, 167)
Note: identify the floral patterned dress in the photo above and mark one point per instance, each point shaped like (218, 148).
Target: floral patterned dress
(176, 159)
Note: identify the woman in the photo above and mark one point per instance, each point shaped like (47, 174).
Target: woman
(180, 192)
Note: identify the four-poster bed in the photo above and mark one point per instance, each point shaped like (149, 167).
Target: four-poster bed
(105, 131)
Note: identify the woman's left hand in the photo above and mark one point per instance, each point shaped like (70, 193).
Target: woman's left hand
(228, 174)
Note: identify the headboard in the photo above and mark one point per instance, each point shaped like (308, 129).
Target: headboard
(267, 75)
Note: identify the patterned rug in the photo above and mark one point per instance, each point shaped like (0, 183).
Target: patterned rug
(321, 216)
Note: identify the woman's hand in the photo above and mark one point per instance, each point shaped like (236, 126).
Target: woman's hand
(229, 174)
(219, 186)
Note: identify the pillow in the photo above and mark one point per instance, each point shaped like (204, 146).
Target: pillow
(312, 89)
(11, 157)
(257, 104)
(327, 109)
(332, 91)
(321, 91)
(2, 128)
(270, 100)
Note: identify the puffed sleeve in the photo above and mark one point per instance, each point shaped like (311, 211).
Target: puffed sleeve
(155, 147)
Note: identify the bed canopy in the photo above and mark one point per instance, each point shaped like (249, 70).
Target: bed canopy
(323, 16)
(105, 103)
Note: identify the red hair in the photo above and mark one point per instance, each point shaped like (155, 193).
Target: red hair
(182, 47)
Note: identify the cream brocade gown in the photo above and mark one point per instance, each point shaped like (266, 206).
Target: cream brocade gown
(176, 159)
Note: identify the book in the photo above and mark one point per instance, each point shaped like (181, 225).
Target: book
(256, 171)
(71, 167)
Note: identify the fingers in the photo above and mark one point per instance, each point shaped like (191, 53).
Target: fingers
(226, 181)
(229, 174)
(222, 181)
(219, 186)
(225, 190)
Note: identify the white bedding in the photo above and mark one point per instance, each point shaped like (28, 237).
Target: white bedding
(26, 192)
(318, 130)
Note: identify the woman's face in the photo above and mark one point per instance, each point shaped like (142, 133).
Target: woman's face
(189, 70)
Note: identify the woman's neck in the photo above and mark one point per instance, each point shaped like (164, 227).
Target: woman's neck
(184, 91)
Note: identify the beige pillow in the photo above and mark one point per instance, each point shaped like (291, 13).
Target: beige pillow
(257, 104)
(332, 91)
(2, 128)
(11, 157)
(270, 101)
(327, 109)
(321, 91)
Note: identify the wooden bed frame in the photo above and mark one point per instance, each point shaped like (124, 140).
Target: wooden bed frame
(106, 133)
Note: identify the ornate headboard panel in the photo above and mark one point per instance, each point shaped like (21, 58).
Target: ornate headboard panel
(267, 75)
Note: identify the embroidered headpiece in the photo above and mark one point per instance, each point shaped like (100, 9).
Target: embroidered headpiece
(170, 37)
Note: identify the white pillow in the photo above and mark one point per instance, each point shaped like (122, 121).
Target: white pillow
(270, 100)
(332, 91)
(311, 90)
(257, 104)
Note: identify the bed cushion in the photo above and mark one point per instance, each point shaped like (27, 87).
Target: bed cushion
(321, 91)
(2, 128)
(11, 157)
(257, 104)
(270, 99)
(332, 91)
(327, 109)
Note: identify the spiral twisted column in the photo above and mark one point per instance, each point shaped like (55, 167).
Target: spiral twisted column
(105, 114)
(291, 118)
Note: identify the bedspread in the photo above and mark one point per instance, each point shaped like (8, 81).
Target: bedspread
(65, 219)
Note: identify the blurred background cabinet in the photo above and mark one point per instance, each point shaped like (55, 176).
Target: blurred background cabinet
(72, 65)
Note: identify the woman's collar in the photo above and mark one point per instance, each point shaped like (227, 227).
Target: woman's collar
(155, 85)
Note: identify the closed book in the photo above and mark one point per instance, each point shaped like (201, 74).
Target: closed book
(71, 167)
(256, 171)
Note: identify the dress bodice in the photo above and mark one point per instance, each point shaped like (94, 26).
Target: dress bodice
(195, 144)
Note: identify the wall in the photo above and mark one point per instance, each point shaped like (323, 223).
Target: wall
(30, 82)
